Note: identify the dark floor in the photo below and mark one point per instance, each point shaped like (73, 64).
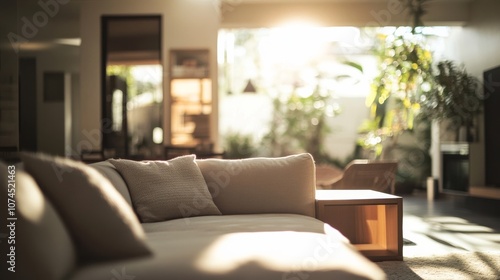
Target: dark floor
(449, 224)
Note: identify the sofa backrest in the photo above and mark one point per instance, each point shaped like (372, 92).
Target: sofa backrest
(109, 171)
(249, 186)
(262, 185)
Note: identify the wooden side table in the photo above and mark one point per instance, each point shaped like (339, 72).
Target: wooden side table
(371, 220)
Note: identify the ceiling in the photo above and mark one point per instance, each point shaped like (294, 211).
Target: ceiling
(64, 24)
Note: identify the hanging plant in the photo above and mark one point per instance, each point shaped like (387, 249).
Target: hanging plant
(416, 9)
(405, 73)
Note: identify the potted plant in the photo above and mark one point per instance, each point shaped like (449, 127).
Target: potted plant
(238, 145)
(299, 123)
(455, 98)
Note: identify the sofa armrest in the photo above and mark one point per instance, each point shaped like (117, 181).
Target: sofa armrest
(262, 185)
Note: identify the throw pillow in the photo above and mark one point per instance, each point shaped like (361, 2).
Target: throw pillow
(46, 249)
(99, 219)
(164, 190)
(262, 185)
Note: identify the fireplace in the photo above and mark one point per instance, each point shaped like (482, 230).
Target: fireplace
(455, 167)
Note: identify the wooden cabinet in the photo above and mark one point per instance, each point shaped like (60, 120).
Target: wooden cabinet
(371, 220)
(190, 98)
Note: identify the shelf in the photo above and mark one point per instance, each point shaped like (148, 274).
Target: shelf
(189, 64)
(182, 72)
(191, 97)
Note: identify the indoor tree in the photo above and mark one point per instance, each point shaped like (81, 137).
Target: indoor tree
(455, 98)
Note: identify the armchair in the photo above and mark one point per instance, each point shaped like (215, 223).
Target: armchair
(362, 174)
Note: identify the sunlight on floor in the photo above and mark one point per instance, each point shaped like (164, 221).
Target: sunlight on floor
(446, 234)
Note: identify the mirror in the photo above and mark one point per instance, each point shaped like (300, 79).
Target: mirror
(132, 90)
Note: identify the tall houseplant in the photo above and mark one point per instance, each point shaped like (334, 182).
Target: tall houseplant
(454, 99)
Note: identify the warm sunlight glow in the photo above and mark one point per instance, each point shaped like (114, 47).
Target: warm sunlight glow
(294, 44)
(266, 249)
(447, 233)
(31, 205)
(298, 24)
(271, 251)
(301, 59)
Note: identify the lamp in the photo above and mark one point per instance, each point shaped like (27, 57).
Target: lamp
(250, 88)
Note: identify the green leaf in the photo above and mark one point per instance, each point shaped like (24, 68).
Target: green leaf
(353, 64)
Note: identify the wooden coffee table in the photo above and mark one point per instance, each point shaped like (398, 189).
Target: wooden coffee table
(371, 220)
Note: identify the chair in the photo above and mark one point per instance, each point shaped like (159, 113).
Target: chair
(366, 174)
(326, 175)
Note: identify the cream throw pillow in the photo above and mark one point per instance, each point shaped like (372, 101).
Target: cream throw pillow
(46, 249)
(102, 224)
(262, 185)
(164, 190)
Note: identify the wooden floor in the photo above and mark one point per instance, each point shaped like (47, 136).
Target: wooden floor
(450, 224)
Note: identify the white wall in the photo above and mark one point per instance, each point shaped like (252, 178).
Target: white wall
(340, 143)
(51, 115)
(477, 45)
(53, 56)
(185, 24)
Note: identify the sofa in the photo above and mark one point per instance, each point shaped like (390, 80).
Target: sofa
(184, 218)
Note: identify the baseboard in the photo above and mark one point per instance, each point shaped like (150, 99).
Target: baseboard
(486, 192)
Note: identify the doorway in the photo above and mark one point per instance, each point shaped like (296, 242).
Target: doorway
(132, 87)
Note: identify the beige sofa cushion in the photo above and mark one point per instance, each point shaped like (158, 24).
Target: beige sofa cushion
(99, 219)
(44, 248)
(164, 190)
(262, 185)
(234, 247)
